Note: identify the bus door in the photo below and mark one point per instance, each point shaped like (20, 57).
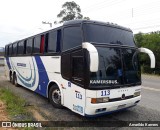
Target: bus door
(73, 70)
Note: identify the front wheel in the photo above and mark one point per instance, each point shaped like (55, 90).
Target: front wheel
(55, 96)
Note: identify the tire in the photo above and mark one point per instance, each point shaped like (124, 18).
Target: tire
(10, 77)
(15, 80)
(55, 96)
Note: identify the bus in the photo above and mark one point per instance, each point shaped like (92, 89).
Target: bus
(89, 67)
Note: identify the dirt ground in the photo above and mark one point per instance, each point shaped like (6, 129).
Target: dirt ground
(3, 113)
(4, 116)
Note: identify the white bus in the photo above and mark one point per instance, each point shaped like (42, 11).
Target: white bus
(90, 67)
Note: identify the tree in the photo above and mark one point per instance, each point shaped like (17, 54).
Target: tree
(152, 42)
(70, 11)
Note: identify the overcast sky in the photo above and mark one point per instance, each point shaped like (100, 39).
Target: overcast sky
(23, 18)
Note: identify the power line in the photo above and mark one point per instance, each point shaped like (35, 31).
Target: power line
(104, 6)
(133, 12)
(146, 27)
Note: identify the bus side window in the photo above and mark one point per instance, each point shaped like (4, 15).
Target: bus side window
(58, 49)
(72, 37)
(29, 45)
(52, 41)
(37, 41)
(24, 51)
(10, 50)
(42, 44)
(73, 67)
(15, 49)
(20, 48)
(66, 66)
(7, 50)
(77, 67)
(46, 43)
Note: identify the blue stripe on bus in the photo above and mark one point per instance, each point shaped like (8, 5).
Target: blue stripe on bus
(43, 77)
(8, 63)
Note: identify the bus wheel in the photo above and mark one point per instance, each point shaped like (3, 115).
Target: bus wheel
(15, 80)
(55, 96)
(10, 77)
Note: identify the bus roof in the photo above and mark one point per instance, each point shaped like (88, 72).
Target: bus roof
(72, 22)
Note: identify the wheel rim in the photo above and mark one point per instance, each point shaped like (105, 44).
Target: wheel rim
(56, 96)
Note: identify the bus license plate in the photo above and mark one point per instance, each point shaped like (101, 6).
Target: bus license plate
(121, 106)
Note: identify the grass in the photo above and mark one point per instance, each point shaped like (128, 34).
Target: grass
(14, 103)
(154, 75)
(15, 106)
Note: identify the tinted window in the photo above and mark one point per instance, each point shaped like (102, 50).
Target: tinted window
(29, 46)
(78, 67)
(110, 68)
(14, 48)
(25, 44)
(7, 50)
(116, 67)
(58, 41)
(52, 41)
(37, 44)
(10, 50)
(21, 47)
(66, 66)
(72, 37)
(106, 34)
(46, 43)
(42, 45)
(131, 66)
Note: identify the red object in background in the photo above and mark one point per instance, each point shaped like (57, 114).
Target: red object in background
(42, 44)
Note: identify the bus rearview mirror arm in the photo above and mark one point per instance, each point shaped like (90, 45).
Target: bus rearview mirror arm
(151, 55)
(94, 59)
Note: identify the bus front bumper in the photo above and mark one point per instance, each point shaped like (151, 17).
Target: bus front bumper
(105, 108)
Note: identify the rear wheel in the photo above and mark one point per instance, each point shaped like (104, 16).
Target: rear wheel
(55, 96)
(15, 80)
(10, 77)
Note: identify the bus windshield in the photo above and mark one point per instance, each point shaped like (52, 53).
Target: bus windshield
(106, 34)
(117, 66)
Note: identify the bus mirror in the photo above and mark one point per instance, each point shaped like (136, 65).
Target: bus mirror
(151, 55)
(93, 54)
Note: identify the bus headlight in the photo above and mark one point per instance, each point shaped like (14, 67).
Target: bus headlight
(99, 100)
(137, 94)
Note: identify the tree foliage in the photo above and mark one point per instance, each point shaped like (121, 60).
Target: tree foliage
(70, 11)
(152, 42)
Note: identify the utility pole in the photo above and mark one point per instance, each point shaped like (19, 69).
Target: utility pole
(132, 12)
(44, 22)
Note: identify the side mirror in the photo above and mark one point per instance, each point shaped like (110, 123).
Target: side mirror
(94, 59)
(151, 55)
